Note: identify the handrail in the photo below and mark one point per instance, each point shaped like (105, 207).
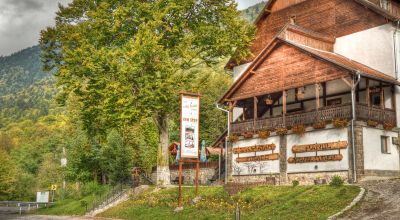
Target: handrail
(328, 113)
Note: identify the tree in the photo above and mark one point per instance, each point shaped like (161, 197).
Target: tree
(126, 60)
(8, 173)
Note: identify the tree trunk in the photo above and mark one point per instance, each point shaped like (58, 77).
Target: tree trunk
(163, 174)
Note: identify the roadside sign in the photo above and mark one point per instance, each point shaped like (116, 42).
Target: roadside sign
(43, 197)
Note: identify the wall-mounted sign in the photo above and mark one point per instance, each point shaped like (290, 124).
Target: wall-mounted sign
(190, 117)
(320, 147)
(256, 148)
(322, 158)
(274, 156)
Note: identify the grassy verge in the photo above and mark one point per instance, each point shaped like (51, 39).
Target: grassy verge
(267, 202)
(67, 207)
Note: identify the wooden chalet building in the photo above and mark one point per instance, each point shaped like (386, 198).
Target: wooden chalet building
(320, 95)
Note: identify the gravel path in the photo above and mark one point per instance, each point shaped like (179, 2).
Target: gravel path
(382, 201)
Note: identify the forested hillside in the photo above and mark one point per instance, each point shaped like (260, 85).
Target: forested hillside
(26, 92)
(35, 129)
(252, 12)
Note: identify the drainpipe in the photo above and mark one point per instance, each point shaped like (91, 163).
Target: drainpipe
(226, 144)
(396, 68)
(353, 111)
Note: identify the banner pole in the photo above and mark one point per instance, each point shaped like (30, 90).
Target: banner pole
(197, 177)
(180, 183)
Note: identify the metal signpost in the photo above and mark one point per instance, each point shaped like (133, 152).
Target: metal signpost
(189, 133)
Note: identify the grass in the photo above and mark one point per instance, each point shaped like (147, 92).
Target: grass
(267, 202)
(73, 205)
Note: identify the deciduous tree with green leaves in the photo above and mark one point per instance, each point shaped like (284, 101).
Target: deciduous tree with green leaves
(127, 60)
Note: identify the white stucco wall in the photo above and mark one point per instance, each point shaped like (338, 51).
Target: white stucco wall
(238, 70)
(374, 159)
(268, 166)
(372, 47)
(319, 136)
(237, 112)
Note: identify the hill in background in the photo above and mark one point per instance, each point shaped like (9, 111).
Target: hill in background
(26, 92)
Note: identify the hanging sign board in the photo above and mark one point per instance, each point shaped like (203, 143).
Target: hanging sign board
(190, 118)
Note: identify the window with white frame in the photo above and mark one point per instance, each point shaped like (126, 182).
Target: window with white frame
(385, 144)
(385, 4)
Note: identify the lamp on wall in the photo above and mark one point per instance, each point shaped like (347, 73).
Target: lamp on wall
(300, 93)
(268, 100)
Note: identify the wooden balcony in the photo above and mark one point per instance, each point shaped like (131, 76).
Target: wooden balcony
(329, 113)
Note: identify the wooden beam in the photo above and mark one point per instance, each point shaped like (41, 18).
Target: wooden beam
(358, 93)
(348, 82)
(255, 100)
(284, 106)
(382, 95)
(317, 95)
(255, 112)
(367, 95)
(231, 106)
(324, 93)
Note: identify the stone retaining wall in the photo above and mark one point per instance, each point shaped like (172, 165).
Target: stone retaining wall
(190, 175)
(308, 178)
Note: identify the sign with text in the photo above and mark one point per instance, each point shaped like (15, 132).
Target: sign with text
(42, 197)
(190, 117)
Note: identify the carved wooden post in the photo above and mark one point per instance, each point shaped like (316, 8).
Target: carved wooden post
(230, 112)
(324, 93)
(255, 100)
(367, 98)
(382, 95)
(284, 107)
(317, 96)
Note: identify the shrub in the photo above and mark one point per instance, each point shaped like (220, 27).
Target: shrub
(281, 131)
(388, 126)
(264, 134)
(340, 123)
(233, 138)
(92, 188)
(336, 181)
(299, 130)
(295, 183)
(319, 125)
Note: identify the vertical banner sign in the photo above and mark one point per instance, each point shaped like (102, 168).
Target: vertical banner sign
(190, 111)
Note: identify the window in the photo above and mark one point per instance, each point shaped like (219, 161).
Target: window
(292, 19)
(376, 98)
(385, 145)
(385, 4)
(337, 101)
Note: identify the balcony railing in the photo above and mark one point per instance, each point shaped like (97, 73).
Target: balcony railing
(363, 112)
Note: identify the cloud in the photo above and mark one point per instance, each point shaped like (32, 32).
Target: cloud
(22, 20)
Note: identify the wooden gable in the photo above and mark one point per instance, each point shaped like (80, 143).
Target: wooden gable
(286, 67)
(335, 18)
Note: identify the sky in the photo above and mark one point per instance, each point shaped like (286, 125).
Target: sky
(22, 20)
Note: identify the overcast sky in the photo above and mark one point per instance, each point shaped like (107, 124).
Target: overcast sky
(22, 20)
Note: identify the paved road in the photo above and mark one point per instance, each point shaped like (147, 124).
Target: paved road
(382, 201)
(41, 217)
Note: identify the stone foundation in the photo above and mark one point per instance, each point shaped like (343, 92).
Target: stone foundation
(190, 175)
(381, 173)
(308, 178)
(255, 178)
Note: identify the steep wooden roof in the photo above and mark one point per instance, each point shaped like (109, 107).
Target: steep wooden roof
(268, 9)
(268, 73)
(335, 18)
